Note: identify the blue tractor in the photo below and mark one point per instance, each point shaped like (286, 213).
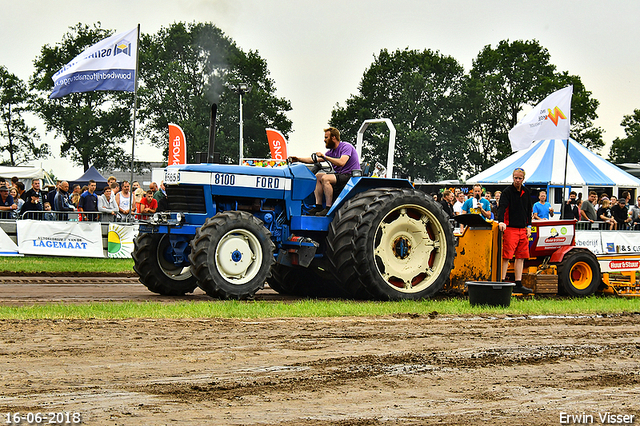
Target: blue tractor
(230, 229)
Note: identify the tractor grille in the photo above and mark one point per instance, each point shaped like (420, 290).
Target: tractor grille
(186, 199)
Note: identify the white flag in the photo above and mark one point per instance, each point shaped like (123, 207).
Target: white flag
(550, 119)
(107, 65)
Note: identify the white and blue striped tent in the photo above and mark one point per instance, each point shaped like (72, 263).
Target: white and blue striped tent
(543, 163)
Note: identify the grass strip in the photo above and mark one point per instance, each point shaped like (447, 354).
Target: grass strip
(316, 309)
(32, 264)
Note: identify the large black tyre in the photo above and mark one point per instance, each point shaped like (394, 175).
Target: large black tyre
(304, 282)
(231, 255)
(278, 281)
(392, 243)
(151, 260)
(579, 273)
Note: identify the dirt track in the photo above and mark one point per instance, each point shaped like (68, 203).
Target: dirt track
(409, 370)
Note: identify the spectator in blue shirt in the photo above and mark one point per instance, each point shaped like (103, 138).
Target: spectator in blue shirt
(542, 210)
(477, 204)
(89, 201)
(7, 204)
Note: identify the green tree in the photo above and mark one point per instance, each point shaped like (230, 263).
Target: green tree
(19, 138)
(627, 150)
(185, 68)
(421, 92)
(92, 125)
(505, 78)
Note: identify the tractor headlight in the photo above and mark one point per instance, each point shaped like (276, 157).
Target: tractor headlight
(180, 218)
(160, 218)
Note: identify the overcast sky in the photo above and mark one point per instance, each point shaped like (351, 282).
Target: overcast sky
(317, 51)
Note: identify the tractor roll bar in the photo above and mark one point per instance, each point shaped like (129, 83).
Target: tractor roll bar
(392, 141)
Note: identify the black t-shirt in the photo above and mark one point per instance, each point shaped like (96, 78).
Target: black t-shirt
(515, 207)
(571, 211)
(619, 213)
(604, 211)
(448, 208)
(26, 195)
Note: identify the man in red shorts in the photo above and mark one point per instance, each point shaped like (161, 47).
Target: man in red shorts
(514, 217)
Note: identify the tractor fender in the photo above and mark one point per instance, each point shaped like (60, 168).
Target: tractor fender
(558, 255)
(359, 184)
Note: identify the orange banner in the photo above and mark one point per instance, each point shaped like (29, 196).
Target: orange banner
(277, 145)
(177, 145)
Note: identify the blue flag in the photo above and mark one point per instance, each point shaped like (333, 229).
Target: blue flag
(107, 65)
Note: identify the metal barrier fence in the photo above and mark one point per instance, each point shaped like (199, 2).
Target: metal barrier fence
(582, 225)
(599, 225)
(76, 216)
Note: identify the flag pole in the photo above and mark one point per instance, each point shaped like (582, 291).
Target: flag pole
(564, 184)
(566, 161)
(135, 109)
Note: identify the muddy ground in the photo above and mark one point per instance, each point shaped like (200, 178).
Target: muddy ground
(409, 370)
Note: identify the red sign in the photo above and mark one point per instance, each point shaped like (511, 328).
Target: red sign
(555, 240)
(177, 145)
(277, 145)
(624, 264)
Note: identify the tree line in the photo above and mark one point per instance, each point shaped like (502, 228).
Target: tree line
(449, 122)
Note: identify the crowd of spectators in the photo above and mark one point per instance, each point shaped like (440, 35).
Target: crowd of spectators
(603, 211)
(88, 203)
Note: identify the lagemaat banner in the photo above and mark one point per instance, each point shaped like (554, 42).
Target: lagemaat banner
(120, 240)
(41, 237)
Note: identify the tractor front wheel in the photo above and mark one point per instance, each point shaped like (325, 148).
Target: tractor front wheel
(231, 255)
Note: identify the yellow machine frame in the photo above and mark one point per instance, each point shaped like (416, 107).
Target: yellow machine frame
(479, 258)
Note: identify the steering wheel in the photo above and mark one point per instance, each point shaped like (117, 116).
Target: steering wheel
(320, 166)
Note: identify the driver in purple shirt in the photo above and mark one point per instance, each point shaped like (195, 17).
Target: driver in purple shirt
(343, 157)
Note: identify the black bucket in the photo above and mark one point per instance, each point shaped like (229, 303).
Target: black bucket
(490, 293)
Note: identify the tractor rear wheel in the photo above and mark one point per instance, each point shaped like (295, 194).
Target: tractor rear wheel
(392, 244)
(152, 261)
(231, 255)
(579, 273)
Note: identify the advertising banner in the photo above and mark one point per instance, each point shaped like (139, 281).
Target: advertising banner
(107, 65)
(120, 240)
(550, 119)
(277, 144)
(177, 145)
(620, 242)
(7, 246)
(609, 242)
(590, 240)
(553, 235)
(50, 238)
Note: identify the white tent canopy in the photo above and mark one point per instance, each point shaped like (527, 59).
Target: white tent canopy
(26, 174)
(21, 172)
(544, 163)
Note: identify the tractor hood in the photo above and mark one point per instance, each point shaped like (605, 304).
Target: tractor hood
(245, 177)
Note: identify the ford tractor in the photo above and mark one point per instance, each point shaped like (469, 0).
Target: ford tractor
(230, 229)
